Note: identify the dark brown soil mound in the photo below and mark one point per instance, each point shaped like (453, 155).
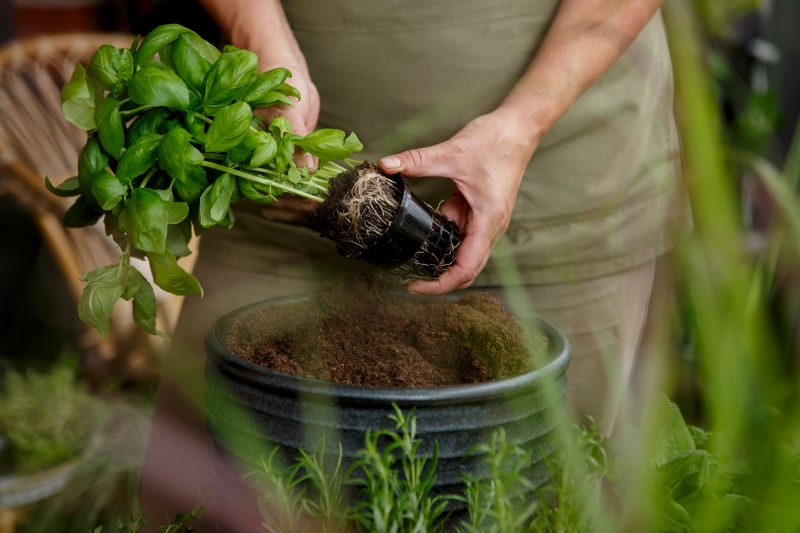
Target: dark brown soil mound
(357, 332)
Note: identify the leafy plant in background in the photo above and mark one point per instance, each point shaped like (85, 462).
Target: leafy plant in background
(172, 143)
(693, 487)
(388, 487)
(689, 479)
(181, 523)
(50, 418)
(396, 479)
(502, 502)
(47, 418)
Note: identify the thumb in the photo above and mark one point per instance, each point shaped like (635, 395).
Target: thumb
(418, 162)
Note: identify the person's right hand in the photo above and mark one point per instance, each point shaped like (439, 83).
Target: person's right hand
(262, 26)
(302, 115)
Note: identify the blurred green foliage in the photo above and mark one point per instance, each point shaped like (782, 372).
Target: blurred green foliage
(719, 16)
(47, 417)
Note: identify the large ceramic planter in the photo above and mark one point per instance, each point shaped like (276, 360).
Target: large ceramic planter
(292, 412)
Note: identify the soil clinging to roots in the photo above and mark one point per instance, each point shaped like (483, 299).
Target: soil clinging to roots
(357, 332)
(360, 207)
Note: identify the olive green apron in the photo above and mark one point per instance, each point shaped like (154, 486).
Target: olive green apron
(599, 195)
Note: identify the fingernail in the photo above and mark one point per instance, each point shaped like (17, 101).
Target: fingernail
(390, 162)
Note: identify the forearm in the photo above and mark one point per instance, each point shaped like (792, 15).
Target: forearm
(584, 40)
(259, 25)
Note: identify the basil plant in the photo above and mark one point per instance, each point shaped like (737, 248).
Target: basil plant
(173, 143)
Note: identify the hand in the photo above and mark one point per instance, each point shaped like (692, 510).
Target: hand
(486, 161)
(303, 116)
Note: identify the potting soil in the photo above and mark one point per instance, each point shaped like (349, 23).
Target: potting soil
(358, 332)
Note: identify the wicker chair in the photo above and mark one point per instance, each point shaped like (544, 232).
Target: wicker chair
(36, 141)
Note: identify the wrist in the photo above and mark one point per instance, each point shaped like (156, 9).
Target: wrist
(522, 127)
(266, 32)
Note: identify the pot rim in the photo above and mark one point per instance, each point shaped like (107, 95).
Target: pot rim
(558, 347)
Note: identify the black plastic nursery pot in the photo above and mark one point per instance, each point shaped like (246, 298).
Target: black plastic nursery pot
(251, 409)
(419, 242)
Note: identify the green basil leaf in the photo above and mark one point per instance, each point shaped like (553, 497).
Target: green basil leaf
(165, 194)
(159, 87)
(178, 211)
(216, 200)
(198, 130)
(193, 57)
(137, 41)
(228, 79)
(176, 154)
(294, 175)
(229, 127)
(242, 151)
(280, 127)
(104, 286)
(146, 218)
(158, 39)
(165, 58)
(287, 90)
(81, 214)
(274, 98)
(228, 220)
(172, 123)
(112, 68)
(264, 84)
(253, 138)
(144, 301)
(255, 192)
(171, 277)
(132, 282)
(112, 227)
(284, 154)
(151, 121)
(329, 144)
(178, 237)
(139, 157)
(265, 151)
(69, 187)
(107, 190)
(353, 143)
(92, 159)
(144, 309)
(190, 189)
(239, 153)
(109, 127)
(79, 99)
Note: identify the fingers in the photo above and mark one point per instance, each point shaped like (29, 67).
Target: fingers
(298, 204)
(302, 159)
(436, 160)
(472, 256)
(455, 208)
(300, 127)
(288, 209)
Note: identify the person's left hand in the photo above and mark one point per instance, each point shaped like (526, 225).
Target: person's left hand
(486, 161)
